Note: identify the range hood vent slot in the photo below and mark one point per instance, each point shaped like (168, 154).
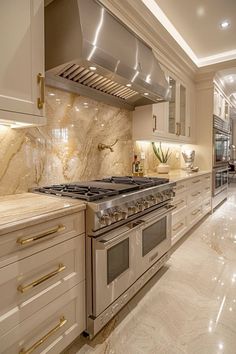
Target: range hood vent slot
(89, 78)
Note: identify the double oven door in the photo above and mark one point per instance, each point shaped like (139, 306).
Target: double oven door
(121, 256)
(221, 147)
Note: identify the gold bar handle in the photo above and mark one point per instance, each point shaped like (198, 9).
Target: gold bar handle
(154, 129)
(180, 202)
(24, 288)
(41, 82)
(62, 323)
(195, 194)
(195, 212)
(178, 226)
(198, 180)
(24, 241)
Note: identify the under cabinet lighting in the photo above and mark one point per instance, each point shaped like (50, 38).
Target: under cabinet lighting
(15, 125)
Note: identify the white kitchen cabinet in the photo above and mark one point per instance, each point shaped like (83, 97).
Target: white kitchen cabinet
(22, 62)
(193, 201)
(42, 285)
(169, 121)
(221, 107)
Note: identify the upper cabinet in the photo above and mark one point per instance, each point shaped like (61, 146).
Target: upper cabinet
(221, 104)
(168, 120)
(22, 62)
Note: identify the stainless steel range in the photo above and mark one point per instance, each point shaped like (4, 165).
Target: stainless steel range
(128, 226)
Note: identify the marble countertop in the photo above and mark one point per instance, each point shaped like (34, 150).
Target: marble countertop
(21, 210)
(179, 175)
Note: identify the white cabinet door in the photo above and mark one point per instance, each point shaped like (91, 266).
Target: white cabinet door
(22, 57)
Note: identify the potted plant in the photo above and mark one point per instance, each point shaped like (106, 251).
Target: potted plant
(163, 157)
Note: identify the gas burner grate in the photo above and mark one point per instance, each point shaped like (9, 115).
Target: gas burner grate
(76, 191)
(142, 182)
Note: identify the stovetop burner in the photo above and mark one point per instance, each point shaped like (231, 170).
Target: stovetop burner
(98, 189)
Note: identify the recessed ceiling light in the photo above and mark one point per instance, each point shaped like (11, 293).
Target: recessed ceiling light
(93, 68)
(128, 85)
(146, 93)
(51, 94)
(85, 103)
(224, 24)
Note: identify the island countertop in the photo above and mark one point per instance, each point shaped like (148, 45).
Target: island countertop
(21, 210)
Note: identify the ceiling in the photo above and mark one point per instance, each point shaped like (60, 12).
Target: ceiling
(195, 25)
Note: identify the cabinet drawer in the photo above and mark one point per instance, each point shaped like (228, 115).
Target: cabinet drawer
(206, 205)
(179, 202)
(195, 196)
(179, 227)
(30, 284)
(195, 182)
(52, 328)
(24, 242)
(195, 215)
(180, 188)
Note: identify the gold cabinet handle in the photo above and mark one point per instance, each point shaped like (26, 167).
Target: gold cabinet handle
(41, 83)
(196, 211)
(195, 194)
(198, 180)
(62, 323)
(189, 132)
(180, 202)
(155, 123)
(181, 186)
(178, 226)
(24, 241)
(178, 128)
(24, 288)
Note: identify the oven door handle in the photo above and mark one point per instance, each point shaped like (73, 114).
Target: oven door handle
(113, 240)
(152, 219)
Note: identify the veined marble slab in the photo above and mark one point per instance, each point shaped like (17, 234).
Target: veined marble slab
(21, 210)
(66, 149)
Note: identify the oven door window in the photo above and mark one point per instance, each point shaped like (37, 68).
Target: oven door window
(117, 260)
(153, 235)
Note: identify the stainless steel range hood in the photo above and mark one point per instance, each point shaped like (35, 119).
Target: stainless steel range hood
(89, 52)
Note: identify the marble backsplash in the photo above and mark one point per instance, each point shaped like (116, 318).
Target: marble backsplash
(150, 162)
(66, 149)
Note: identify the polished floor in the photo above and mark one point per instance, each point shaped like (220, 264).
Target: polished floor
(189, 306)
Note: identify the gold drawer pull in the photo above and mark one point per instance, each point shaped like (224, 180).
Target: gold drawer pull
(178, 226)
(41, 82)
(180, 187)
(24, 241)
(198, 180)
(195, 194)
(195, 212)
(180, 202)
(62, 323)
(24, 288)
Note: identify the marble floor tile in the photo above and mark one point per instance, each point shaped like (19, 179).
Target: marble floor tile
(189, 307)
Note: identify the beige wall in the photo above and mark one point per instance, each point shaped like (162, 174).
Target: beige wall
(66, 149)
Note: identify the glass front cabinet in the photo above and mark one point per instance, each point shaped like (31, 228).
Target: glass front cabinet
(167, 120)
